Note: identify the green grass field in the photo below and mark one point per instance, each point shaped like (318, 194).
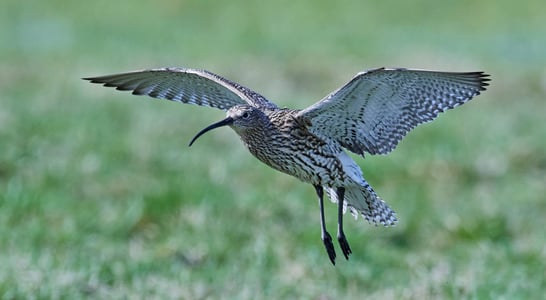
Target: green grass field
(101, 198)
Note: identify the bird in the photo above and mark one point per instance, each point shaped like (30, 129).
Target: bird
(370, 114)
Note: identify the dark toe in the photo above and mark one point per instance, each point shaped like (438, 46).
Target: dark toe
(327, 240)
(344, 244)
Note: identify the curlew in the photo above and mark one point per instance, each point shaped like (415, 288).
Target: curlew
(371, 113)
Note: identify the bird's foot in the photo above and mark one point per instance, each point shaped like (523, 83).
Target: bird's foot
(344, 244)
(327, 240)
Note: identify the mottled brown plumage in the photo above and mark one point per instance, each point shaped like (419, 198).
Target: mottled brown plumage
(371, 113)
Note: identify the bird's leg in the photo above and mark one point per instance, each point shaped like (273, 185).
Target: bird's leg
(324, 235)
(340, 234)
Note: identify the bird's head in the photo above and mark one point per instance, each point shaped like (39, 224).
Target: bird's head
(240, 118)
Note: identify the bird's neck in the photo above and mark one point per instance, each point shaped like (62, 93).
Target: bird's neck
(255, 136)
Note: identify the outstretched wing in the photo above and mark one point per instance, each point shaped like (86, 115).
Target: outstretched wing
(377, 108)
(198, 87)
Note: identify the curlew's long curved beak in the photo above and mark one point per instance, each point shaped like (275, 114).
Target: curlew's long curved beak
(224, 122)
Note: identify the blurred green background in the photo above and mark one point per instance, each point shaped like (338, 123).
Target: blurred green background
(100, 197)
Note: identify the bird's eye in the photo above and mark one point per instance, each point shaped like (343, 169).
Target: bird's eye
(245, 115)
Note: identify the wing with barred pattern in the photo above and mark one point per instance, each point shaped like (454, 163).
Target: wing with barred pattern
(377, 108)
(191, 86)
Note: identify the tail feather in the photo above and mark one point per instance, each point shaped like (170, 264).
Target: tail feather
(363, 200)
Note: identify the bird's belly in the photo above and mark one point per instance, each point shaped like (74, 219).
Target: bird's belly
(317, 166)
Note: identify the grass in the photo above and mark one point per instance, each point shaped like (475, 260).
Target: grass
(101, 198)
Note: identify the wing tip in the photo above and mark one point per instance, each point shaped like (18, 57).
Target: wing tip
(92, 79)
(483, 79)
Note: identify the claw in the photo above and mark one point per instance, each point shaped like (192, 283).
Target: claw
(327, 240)
(344, 245)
